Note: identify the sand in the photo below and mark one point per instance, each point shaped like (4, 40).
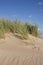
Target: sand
(13, 51)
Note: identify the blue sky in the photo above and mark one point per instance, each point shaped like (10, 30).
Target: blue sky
(25, 10)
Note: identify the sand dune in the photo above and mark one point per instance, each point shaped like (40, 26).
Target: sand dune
(13, 51)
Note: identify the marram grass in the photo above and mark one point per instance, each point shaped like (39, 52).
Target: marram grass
(17, 27)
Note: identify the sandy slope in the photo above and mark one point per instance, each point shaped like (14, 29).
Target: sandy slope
(13, 51)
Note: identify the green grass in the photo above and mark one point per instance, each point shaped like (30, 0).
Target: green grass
(17, 27)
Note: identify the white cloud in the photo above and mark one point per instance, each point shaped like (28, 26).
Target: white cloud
(39, 3)
(30, 16)
(39, 29)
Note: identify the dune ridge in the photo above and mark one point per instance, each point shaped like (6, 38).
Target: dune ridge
(14, 51)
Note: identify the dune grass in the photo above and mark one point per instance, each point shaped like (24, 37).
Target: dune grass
(17, 27)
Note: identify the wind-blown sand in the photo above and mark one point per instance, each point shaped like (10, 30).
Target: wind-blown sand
(13, 51)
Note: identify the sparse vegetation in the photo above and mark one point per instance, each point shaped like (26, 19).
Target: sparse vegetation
(17, 27)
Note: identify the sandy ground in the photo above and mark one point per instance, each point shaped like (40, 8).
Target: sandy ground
(13, 51)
